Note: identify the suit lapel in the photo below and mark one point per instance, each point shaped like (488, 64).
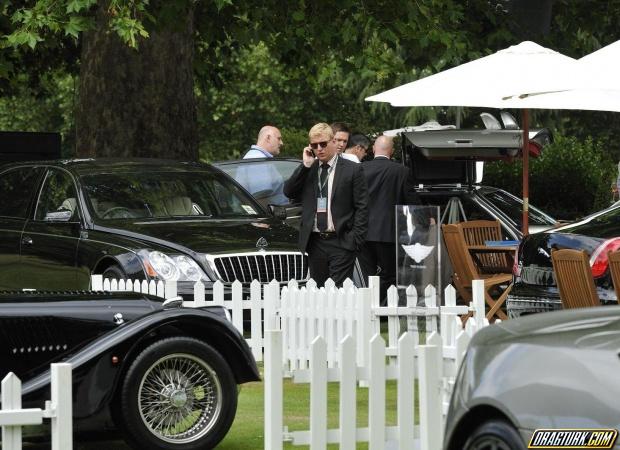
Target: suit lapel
(337, 173)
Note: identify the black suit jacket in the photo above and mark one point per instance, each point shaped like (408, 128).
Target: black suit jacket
(389, 184)
(349, 201)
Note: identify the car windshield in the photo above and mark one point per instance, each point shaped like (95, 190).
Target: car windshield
(513, 208)
(263, 178)
(145, 194)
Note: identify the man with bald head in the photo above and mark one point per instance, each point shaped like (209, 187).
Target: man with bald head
(260, 177)
(389, 184)
(268, 144)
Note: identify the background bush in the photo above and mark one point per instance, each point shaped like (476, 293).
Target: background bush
(570, 179)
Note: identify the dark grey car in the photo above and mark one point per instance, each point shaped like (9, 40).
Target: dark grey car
(550, 370)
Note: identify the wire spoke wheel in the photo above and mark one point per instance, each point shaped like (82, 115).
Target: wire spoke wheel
(179, 398)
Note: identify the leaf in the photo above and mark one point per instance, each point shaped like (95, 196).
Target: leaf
(220, 4)
(298, 16)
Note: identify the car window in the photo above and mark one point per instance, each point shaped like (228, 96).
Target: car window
(16, 190)
(264, 178)
(513, 208)
(58, 199)
(128, 195)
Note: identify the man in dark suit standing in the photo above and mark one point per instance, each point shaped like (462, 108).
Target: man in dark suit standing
(334, 198)
(389, 184)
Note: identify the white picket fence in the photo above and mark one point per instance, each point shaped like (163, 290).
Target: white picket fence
(335, 355)
(59, 409)
(303, 310)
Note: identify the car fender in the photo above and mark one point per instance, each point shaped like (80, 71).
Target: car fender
(95, 376)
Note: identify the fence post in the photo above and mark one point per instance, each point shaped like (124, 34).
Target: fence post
(318, 394)
(406, 377)
(376, 393)
(365, 326)
(62, 404)
(430, 301)
(273, 390)
(272, 292)
(477, 288)
(237, 305)
(374, 284)
(11, 399)
(199, 294)
(256, 332)
(170, 289)
(96, 282)
(348, 393)
(430, 361)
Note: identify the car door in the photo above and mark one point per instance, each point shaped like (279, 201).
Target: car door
(17, 188)
(50, 238)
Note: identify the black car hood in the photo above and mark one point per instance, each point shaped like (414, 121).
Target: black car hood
(208, 236)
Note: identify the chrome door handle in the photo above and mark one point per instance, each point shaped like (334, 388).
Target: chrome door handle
(27, 240)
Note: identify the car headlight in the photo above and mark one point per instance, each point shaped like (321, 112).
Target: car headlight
(176, 267)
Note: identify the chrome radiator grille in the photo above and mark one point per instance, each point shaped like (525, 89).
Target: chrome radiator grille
(261, 266)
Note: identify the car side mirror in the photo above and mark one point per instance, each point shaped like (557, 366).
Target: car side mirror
(279, 212)
(58, 216)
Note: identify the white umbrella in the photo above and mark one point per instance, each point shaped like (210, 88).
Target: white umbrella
(487, 82)
(595, 85)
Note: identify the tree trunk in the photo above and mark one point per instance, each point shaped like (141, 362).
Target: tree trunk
(138, 103)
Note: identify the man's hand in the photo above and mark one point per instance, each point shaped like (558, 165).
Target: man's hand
(308, 156)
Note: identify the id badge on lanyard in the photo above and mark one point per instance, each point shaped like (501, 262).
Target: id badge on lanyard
(321, 204)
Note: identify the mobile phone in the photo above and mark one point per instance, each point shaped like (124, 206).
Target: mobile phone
(312, 151)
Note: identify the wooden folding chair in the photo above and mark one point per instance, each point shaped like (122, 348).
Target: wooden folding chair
(465, 271)
(573, 276)
(614, 268)
(477, 232)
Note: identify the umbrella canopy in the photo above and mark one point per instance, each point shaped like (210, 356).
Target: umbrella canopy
(487, 81)
(594, 85)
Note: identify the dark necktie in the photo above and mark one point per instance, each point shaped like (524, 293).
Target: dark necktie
(321, 217)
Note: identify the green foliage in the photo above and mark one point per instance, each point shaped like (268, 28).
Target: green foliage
(570, 179)
(48, 18)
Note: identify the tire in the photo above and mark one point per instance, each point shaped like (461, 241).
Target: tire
(114, 272)
(495, 435)
(192, 391)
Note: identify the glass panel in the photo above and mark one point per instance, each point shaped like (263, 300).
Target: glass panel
(16, 189)
(418, 249)
(57, 201)
(263, 179)
(128, 195)
(513, 208)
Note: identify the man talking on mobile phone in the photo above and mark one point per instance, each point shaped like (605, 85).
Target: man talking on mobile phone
(334, 199)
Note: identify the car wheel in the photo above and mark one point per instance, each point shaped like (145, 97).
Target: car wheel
(495, 435)
(179, 393)
(114, 272)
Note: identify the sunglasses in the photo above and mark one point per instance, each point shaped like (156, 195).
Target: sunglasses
(316, 145)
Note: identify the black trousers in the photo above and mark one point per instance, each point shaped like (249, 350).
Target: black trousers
(379, 258)
(327, 258)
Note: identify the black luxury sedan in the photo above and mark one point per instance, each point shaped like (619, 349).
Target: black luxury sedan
(62, 221)
(535, 289)
(163, 375)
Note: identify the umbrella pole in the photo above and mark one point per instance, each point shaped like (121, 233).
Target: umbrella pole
(526, 167)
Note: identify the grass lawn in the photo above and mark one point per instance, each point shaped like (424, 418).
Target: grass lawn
(247, 431)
